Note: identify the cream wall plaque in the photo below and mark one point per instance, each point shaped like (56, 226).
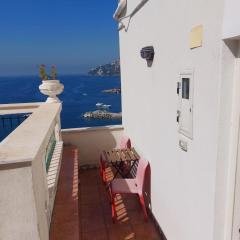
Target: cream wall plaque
(196, 37)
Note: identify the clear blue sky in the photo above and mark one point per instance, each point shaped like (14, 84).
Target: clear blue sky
(72, 34)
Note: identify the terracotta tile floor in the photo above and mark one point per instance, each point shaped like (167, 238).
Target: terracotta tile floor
(65, 219)
(95, 213)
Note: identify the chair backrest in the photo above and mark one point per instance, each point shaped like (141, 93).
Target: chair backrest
(125, 142)
(141, 170)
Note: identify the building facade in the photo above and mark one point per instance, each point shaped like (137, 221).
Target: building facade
(182, 111)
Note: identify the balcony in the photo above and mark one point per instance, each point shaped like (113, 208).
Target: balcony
(52, 176)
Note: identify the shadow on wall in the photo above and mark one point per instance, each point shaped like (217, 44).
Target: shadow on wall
(232, 45)
(92, 141)
(147, 188)
(147, 198)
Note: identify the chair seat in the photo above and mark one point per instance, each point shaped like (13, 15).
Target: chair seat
(129, 185)
(124, 186)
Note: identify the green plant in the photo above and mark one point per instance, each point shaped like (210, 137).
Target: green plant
(53, 72)
(42, 72)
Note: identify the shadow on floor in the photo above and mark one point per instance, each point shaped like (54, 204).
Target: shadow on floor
(95, 213)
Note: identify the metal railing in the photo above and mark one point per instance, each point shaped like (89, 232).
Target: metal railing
(10, 122)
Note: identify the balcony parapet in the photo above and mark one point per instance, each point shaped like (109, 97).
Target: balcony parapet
(27, 189)
(91, 141)
(25, 143)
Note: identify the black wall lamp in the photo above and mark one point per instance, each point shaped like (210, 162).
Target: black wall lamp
(148, 54)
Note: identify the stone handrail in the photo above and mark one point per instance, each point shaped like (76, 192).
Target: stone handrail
(26, 202)
(24, 144)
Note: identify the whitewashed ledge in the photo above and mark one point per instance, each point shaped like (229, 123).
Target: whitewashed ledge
(15, 108)
(30, 138)
(89, 129)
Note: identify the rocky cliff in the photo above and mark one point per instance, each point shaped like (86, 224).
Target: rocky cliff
(110, 69)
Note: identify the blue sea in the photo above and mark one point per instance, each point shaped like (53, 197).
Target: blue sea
(81, 93)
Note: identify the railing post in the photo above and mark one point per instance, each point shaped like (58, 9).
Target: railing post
(52, 88)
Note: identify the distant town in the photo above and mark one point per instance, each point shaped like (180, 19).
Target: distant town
(110, 69)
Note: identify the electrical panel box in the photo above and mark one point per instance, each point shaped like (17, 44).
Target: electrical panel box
(185, 109)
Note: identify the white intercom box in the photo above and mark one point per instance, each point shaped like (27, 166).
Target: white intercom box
(185, 108)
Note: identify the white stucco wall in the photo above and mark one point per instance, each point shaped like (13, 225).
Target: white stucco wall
(183, 184)
(17, 206)
(92, 141)
(231, 24)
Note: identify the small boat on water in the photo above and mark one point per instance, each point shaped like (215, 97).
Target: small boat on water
(106, 106)
(103, 106)
(99, 104)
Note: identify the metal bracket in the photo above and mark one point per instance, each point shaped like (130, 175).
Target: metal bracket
(178, 87)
